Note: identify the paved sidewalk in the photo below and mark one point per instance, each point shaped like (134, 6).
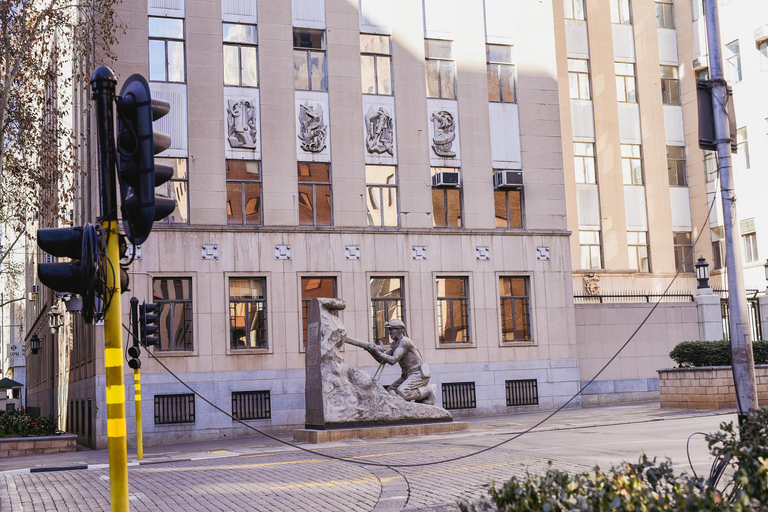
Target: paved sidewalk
(509, 424)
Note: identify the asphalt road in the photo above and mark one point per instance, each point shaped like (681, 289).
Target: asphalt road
(255, 474)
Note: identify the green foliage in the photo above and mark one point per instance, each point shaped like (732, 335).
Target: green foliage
(648, 486)
(713, 353)
(20, 424)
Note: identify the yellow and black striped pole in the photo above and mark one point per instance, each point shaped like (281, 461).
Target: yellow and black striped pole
(137, 399)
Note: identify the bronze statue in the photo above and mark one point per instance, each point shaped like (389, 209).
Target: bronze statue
(413, 384)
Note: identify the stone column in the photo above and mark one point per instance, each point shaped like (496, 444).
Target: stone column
(710, 315)
(763, 303)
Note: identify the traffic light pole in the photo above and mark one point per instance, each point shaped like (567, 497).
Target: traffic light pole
(103, 83)
(137, 380)
(741, 343)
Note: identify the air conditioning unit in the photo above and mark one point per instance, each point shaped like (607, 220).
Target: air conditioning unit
(508, 179)
(35, 288)
(761, 34)
(446, 179)
(700, 63)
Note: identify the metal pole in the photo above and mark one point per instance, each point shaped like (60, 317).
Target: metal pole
(103, 83)
(741, 343)
(137, 381)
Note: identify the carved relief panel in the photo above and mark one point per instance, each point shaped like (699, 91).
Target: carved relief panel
(444, 149)
(379, 130)
(242, 124)
(312, 131)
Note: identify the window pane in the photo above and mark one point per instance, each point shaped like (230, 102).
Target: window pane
(380, 174)
(242, 170)
(374, 200)
(317, 60)
(386, 287)
(248, 288)
(451, 287)
(249, 63)
(494, 94)
(436, 49)
(507, 75)
(433, 80)
(300, 71)
(515, 199)
(454, 208)
(157, 60)
(318, 287)
(237, 33)
(234, 203)
(314, 172)
(384, 70)
(579, 65)
(171, 28)
(231, 66)
(323, 198)
(390, 206)
(438, 207)
(500, 203)
(252, 203)
(303, 38)
(447, 79)
(306, 205)
(498, 53)
(175, 61)
(373, 43)
(368, 73)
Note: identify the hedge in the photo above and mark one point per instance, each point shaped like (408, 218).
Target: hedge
(713, 353)
(647, 486)
(20, 424)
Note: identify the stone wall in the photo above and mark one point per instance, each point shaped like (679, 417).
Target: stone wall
(37, 445)
(705, 388)
(601, 329)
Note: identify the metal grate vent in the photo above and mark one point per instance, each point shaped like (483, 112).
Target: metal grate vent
(522, 392)
(251, 405)
(174, 409)
(459, 395)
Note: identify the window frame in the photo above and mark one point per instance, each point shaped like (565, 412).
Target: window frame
(373, 300)
(665, 18)
(680, 169)
(165, 40)
(169, 190)
(583, 158)
(384, 190)
(268, 349)
(376, 57)
(631, 160)
(304, 303)
(621, 12)
(446, 209)
(239, 46)
(590, 247)
(309, 51)
(742, 149)
(315, 185)
(733, 69)
(528, 298)
(571, 12)
(670, 87)
(243, 196)
(439, 60)
(687, 268)
(508, 217)
(470, 343)
(580, 76)
(636, 247)
(157, 349)
(623, 90)
(750, 248)
(510, 68)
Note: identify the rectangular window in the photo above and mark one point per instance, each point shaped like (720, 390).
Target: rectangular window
(620, 12)
(376, 63)
(309, 67)
(750, 247)
(166, 49)
(626, 84)
(441, 69)
(591, 253)
(251, 405)
(584, 162)
(683, 251)
(762, 47)
(578, 79)
(176, 189)
(241, 62)
(174, 409)
(515, 309)
(665, 14)
(718, 255)
(173, 296)
(247, 313)
(508, 204)
(710, 165)
(670, 85)
(637, 245)
(314, 288)
(676, 166)
(381, 198)
(387, 303)
(574, 9)
(446, 203)
(452, 310)
(732, 62)
(742, 149)
(244, 192)
(315, 194)
(631, 164)
(501, 73)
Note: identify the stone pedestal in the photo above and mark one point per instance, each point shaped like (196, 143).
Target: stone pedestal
(710, 315)
(326, 436)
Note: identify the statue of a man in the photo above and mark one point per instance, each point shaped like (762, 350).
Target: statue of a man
(413, 384)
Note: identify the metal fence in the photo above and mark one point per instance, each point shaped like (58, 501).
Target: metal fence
(633, 297)
(174, 409)
(251, 405)
(522, 392)
(459, 395)
(753, 310)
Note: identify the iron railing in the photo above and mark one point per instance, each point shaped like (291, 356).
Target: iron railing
(522, 392)
(459, 395)
(174, 409)
(251, 405)
(633, 296)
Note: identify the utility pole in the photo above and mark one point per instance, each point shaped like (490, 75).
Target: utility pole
(103, 83)
(741, 343)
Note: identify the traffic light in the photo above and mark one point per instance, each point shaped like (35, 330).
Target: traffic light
(74, 276)
(149, 324)
(137, 146)
(134, 352)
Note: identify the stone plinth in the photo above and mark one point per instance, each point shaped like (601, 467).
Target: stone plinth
(705, 388)
(10, 446)
(380, 432)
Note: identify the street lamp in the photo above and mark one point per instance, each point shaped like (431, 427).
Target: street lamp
(55, 319)
(702, 272)
(34, 343)
(766, 271)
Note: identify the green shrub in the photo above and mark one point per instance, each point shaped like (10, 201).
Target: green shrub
(20, 424)
(647, 486)
(713, 353)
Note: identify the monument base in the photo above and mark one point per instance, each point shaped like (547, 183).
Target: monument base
(315, 436)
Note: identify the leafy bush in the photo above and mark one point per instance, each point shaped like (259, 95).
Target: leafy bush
(713, 353)
(647, 486)
(20, 424)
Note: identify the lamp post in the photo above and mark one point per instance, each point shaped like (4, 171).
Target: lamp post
(766, 275)
(702, 272)
(34, 343)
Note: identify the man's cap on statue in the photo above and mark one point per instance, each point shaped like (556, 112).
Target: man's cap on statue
(394, 324)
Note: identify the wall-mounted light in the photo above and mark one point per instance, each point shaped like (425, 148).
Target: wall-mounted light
(34, 343)
(55, 318)
(702, 272)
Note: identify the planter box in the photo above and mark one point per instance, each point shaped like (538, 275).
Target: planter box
(708, 387)
(10, 446)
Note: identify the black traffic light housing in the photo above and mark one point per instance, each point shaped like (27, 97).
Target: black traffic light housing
(149, 324)
(71, 276)
(137, 145)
